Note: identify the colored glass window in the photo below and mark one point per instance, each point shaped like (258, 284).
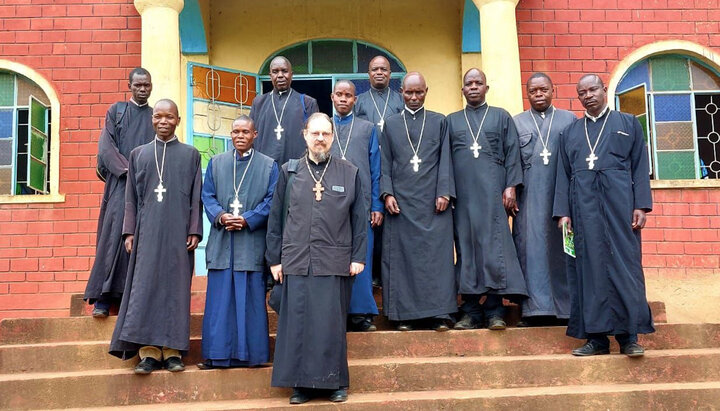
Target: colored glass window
(332, 57)
(225, 86)
(7, 89)
(6, 123)
(676, 165)
(670, 73)
(26, 88)
(707, 117)
(208, 147)
(6, 180)
(636, 76)
(673, 107)
(675, 136)
(6, 149)
(366, 52)
(703, 78)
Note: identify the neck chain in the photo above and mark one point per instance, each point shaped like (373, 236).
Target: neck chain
(279, 129)
(415, 161)
(592, 157)
(545, 153)
(476, 147)
(380, 123)
(337, 137)
(318, 189)
(160, 190)
(236, 205)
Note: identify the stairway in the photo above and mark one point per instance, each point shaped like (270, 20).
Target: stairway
(63, 363)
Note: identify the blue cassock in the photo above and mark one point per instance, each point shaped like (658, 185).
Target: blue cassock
(235, 325)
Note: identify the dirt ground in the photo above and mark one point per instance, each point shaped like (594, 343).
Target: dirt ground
(694, 299)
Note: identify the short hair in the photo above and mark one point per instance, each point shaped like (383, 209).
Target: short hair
(244, 117)
(319, 114)
(348, 82)
(595, 76)
(139, 71)
(172, 104)
(538, 74)
(280, 58)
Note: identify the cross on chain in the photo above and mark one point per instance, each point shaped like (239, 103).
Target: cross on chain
(236, 206)
(591, 160)
(318, 189)
(416, 163)
(160, 190)
(476, 149)
(381, 123)
(545, 154)
(278, 131)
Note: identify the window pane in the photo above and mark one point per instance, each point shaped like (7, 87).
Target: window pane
(707, 116)
(6, 123)
(703, 78)
(208, 147)
(637, 75)
(633, 102)
(37, 175)
(37, 116)
(5, 181)
(6, 149)
(27, 88)
(38, 145)
(7, 89)
(298, 56)
(332, 57)
(670, 73)
(672, 107)
(675, 136)
(365, 53)
(676, 165)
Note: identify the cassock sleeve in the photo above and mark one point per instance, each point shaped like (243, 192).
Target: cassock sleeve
(273, 238)
(642, 195)
(108, 152)
(386, 164)
(130, 197)
(358, 219)
(258, 216)
(561, 204)
(311, 106)
(375, 172)
(195, 226)
(213, 209)
(446, 179)
(511, 146)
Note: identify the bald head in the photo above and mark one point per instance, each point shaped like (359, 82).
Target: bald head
(281, 73)
(379, 72)
(414, 89)
(475, 72)
(166, 104)
(165, 118)
(591, 78)
(475, 87)
(592, 94)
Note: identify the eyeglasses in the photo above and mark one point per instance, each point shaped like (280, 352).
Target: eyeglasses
(317, 134)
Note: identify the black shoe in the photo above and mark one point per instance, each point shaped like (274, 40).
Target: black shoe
(404, 327)
(174, 364)
(465, 323)
(299, 396)
(147, 365)
(523, 324)
(340, 395)
(207, 365)
(361, 324)
(439, 326)
(100, 312)
(632, 350)
(590, 348)
(497, 324)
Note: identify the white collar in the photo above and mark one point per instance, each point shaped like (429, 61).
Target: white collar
(165, 142)
(132, 100)
(280, 93)
(543, 113)
(245, 154)
(599, 116)
(414, 112)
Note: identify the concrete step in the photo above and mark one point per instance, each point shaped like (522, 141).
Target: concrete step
(86, 355)
(385, 375)
(675, 396)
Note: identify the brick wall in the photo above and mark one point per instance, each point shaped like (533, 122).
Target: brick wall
(567, 38)
(85, 51)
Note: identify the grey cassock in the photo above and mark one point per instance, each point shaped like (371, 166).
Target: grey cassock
(417, 255)
(155, 308)
(486, 257)
(537, 237)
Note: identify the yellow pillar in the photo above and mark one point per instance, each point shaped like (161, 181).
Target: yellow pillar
(161, 46)
(500, 53)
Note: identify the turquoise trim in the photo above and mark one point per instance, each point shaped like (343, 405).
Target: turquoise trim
(471, 29)
(192, 29)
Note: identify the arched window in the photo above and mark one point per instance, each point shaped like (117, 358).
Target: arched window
(25, 137)
(677, 100)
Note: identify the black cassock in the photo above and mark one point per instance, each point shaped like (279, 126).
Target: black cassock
(371, 111)
(291, 143)
(607, 285)
(155, 308)
(537, 238)
(417, 254)
(119, 137)
(486, 257)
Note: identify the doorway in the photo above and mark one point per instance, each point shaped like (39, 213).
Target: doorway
(317, 88)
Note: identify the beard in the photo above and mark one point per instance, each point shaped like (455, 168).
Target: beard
(321, 156)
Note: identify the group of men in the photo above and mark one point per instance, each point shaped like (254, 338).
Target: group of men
(306, 195)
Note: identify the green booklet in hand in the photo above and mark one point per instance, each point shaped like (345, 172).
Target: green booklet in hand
(568, 241)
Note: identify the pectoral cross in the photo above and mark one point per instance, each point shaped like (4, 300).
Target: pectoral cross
(591, 160)
(236, 206)
(160, 190)
(381, 124)
(278, 131)
(476, 149)
(416, 163)
(318, 189)
(545, 154)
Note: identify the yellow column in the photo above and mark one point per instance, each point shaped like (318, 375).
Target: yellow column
(161, 46)
(500, 53)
